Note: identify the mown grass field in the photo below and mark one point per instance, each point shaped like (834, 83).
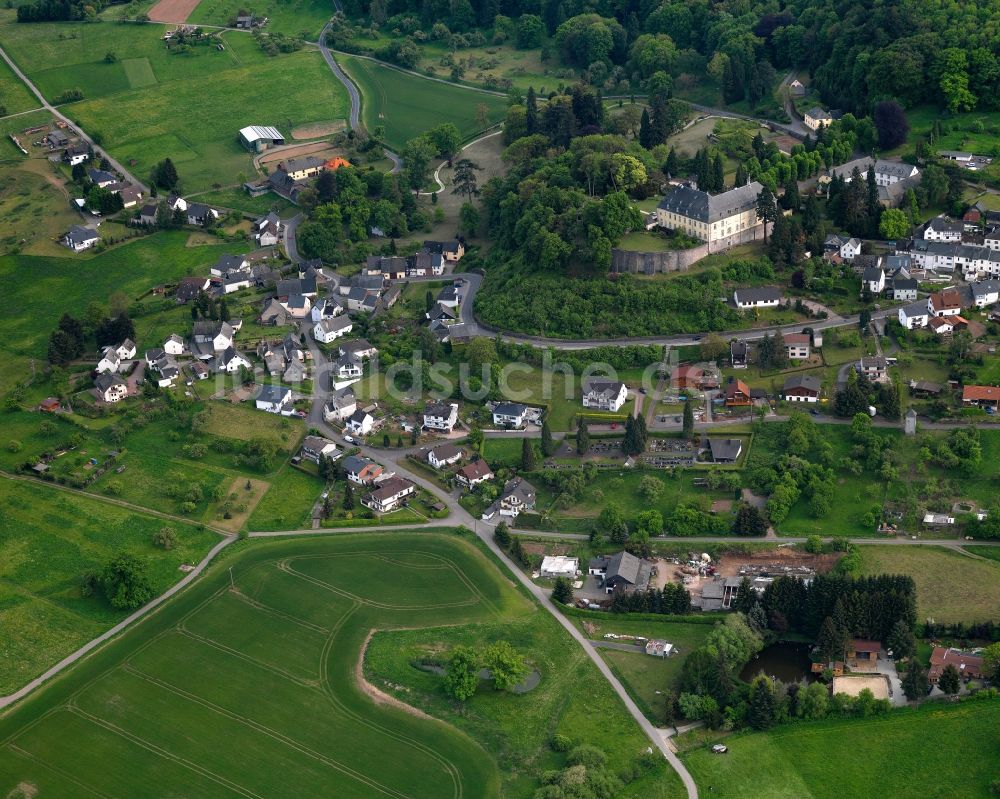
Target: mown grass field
(910, 754)
(151, 104)
(291, 17)
(288, 501)
(14, 95)
(407, 105)
(48, 540)
(950, 586)
(254, 691)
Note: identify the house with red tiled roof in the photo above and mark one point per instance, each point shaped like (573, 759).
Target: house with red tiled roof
(982, 396)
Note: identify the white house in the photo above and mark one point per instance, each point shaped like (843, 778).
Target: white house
(815, 117)
(985, 293)
(325, 308)
(327, 330)
(605, 395)
(340, 406)
(126, 350)
(945, 303)
(441, 416)
(764, 297)
(472, 474)
(110, 360)
(941, 228)
(362, 470)
(914, 316)
(174, 345)
(360, 423)
(76, 154)
(388, 494)
(850, 248)
(509, 414)
(348, 367)
(274, 399)
(802, 388)
(518, 496)
(798, 346)
(110, 387)
(444, 455)
(873, 279)
(315, 448)
(79, 238)
(231, 360)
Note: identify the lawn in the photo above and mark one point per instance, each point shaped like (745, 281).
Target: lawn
(407, 105)
(911, 754)
(239, 200)
(14, 95)
(287, 504)
(150, 103)
(291, 17)
(271, 669)
(951, 586)
(48, 540)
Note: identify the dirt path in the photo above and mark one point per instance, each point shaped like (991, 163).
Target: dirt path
(378, 696)
(173, 11)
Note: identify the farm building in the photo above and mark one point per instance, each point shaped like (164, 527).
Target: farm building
(259, 137)
(559, 566)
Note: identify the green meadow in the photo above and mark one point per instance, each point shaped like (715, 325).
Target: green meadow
(254, 689)
(14, 95)
(151, 103)
(407, 105)
(291, 17)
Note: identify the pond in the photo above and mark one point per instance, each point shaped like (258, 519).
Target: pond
(785, 661)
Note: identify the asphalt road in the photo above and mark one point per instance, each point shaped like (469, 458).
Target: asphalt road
(83, 135)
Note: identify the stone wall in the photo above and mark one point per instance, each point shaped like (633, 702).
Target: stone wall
(653, 263)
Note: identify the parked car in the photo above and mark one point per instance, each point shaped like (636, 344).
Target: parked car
(350, 440)
(720, 749)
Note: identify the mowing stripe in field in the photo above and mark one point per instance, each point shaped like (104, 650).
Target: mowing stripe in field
(139, 72)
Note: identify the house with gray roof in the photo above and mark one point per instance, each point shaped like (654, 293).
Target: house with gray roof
(725, 450)
(605, 395)
(621, 571)
(762, 297)
(802, 388)
(79, 238)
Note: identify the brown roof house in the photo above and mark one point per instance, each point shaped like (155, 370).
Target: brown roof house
(472, 474)
(969, 667)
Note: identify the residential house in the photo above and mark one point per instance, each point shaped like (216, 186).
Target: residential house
(798, 345)
(442, 314)
(110, 361)
(290, 287)
(302, 168)
(147, 214)
(260, 137)
(200, 214)
(802, 388)
(737, 393)
(517, 497)
(79, 238)
(325, 308)
(274, 399)
(604, 395)
(76, 154)
(725, 450)
(110, 387)
(941, 228)
(228, 264)
(873, 279)
(299, 306)
(231, 360)
(559, 566)
(981, 396)
(126, 350)
(211, 337)
(914, 316)
(850, 249)
(946, 325)
(360, 423)
(331, 329)
(444, 455)
(174, 345)
(356, 297)
(721, 220)
(904, 289)
(190, 287)
(739, 354)
(274, 313)
(509, 414)
(267, 230)
(451, 251)
(764, 297)
(163, 365)
(985, 293)
(56, 139)
(389, 494)
(236, 281)
(100, 178)
(130, 194)
(875, 368)
(472, 474)
(450, 296)
(815, 117)
(938, 519)
(945, 303)
(796, 89)
(340, 406)
(360, 470)
(622, 571)
(892, 178)
(347, 367)
(694, 376)
(315, 448)
(441, 416)
(969, 666)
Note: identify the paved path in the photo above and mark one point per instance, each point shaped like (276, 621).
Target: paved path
(599, 644)
(83, 135)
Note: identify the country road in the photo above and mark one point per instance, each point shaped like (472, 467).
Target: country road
(83, 135)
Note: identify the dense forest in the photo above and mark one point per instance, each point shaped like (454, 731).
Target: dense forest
(857, 53)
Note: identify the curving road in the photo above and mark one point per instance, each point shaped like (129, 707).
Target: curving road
(83, 135)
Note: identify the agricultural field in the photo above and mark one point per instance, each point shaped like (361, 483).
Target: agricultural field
(407, 105)
(48, 540)
(912, 752)
(150, 104)
(951, 586)
(292, 635)
(291, 17)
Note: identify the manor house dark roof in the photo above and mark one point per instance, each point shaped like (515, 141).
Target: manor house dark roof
(705, 207)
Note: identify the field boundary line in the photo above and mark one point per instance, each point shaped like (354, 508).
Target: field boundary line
(166, 754)
(257, 605)
(245, 657)
(269, 731)
(121, 626)
(52, 767)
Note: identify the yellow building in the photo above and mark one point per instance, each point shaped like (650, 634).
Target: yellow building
(721, 220)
